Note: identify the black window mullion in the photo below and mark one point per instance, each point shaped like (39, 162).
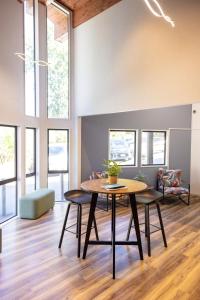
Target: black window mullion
(13, 179)
(33, 174)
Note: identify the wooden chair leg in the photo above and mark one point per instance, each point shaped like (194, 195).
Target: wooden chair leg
(79, 229)
(64, 225)
(161, 224)
(147, 225)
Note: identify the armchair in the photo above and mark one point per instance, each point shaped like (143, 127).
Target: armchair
(169, 182)
(104, 197)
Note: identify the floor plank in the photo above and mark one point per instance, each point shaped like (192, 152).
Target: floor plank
(32, 266)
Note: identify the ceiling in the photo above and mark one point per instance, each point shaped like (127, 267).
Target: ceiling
(83, 10)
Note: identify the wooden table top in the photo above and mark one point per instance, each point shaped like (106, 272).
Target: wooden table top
(96, 186)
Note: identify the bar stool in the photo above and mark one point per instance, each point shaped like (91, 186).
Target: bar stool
(79, 198)
(147, 198)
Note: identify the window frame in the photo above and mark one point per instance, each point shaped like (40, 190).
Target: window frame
(166, 148)
(35, 155)
(58, 171)
(15, 178)
(135, 146)
(65, 9)
(35, 45)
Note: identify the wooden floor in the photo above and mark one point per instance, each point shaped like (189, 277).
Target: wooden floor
(32, 267)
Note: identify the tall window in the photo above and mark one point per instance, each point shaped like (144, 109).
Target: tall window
(8, 172)
(122, 147)
(153, 148)
(58, 159)
(30, 159)
(29, 51)
(58, 24)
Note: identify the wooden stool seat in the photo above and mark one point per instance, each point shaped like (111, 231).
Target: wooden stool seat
(148, 197)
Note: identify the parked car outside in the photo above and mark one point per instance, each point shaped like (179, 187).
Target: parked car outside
(120, 150)
(57, 157)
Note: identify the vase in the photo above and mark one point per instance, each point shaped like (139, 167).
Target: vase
(112, 179)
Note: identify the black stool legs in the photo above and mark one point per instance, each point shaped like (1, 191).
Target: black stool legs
(147, 226)
(129, 228)
(161, 224)
(147, 229)
(64, 225)
(78, 227)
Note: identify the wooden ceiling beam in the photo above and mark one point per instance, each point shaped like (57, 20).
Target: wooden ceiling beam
(83, 10)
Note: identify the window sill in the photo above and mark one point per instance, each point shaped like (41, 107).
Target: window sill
(155, 166)
(128, 166)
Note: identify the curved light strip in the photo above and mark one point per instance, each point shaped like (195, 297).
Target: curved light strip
(160, 12)
(21, 55)
(41, 63)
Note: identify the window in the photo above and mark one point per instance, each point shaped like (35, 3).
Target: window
(122, 147)
(30, 159)
(58, 24)
(58, 158)
(8, 172)
(29, 51)
(153, 148)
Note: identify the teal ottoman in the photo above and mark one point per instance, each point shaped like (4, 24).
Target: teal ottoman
(35, 204)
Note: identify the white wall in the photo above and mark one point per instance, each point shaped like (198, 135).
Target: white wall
(195, 150)
(12, 102)
(127, 59)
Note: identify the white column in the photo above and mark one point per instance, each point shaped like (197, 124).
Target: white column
(195, 150)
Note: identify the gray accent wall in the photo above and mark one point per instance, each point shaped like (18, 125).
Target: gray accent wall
(95, 133)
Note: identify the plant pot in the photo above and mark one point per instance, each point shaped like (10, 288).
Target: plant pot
(112, 179)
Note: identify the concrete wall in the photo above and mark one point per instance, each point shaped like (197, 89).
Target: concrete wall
(127, 59)
(95, 138)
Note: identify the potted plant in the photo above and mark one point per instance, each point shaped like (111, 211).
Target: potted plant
(113, 170)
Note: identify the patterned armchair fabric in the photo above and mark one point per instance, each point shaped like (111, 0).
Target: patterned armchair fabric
(99, 175)
(169, 182)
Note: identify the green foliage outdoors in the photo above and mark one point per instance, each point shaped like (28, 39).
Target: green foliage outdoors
(112, 168)
(6, 148)
(58, 68)
(57, 75)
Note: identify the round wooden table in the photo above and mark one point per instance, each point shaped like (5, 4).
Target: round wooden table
(97, 186)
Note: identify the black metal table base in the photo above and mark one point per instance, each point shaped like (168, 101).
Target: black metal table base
(113, 242)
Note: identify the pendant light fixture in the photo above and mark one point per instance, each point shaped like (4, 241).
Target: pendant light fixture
(157, 11)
